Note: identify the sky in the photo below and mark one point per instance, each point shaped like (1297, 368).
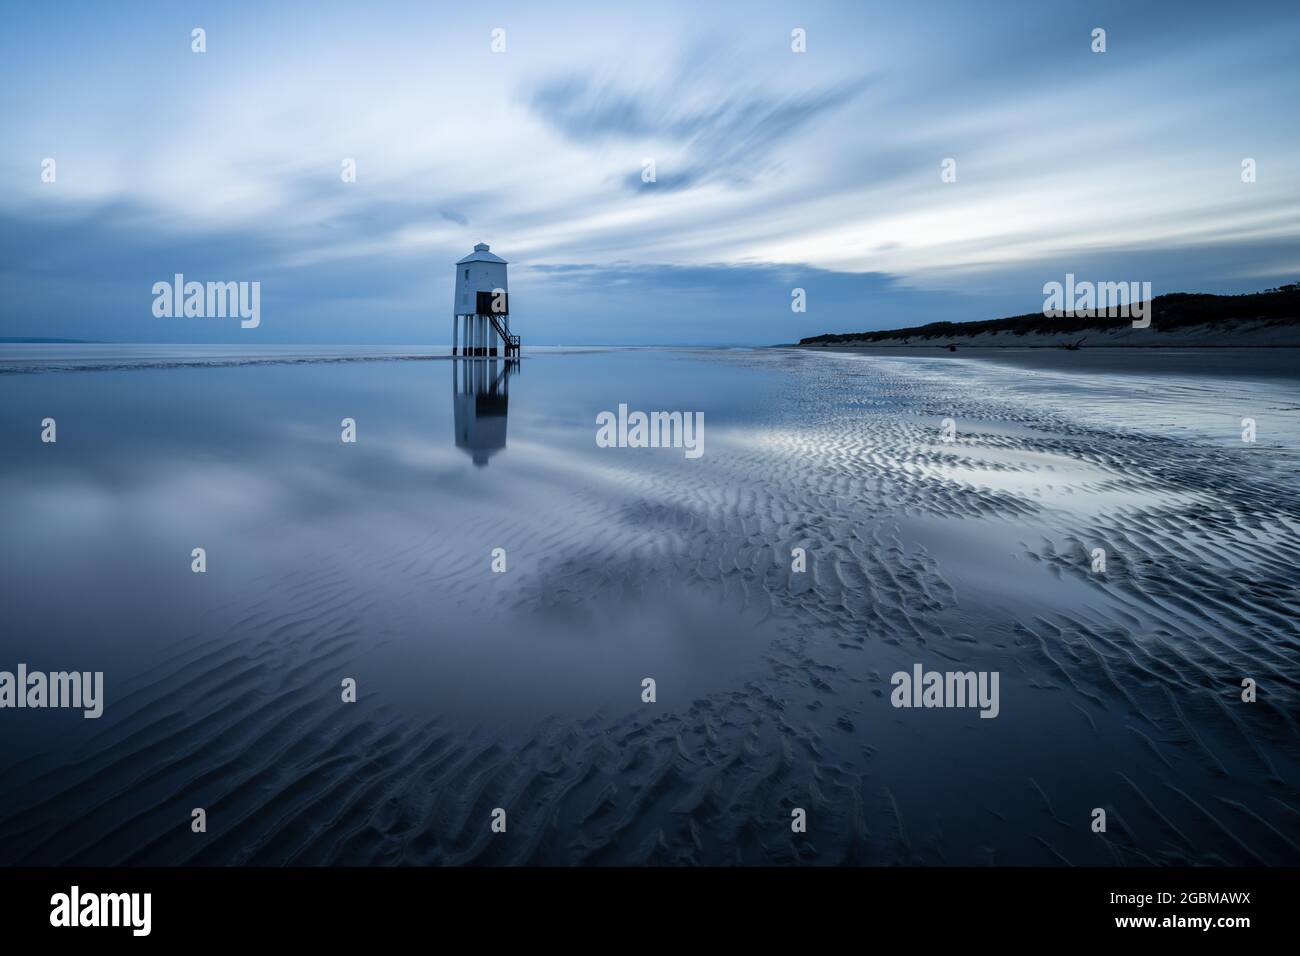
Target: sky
(774, 170)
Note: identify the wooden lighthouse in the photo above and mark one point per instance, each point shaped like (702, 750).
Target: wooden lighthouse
(480, 324)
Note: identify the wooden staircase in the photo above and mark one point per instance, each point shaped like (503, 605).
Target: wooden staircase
(511, 341)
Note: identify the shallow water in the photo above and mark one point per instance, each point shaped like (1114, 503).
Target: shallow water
(522, 689)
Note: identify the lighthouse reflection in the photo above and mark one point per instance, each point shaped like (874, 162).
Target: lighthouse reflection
(480, 402)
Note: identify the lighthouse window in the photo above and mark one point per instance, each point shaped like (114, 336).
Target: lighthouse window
(466, 273)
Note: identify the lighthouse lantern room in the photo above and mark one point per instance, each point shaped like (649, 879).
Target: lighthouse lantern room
(481, 313)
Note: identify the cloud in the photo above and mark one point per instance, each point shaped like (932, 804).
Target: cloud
(771, 166)
(729, 137)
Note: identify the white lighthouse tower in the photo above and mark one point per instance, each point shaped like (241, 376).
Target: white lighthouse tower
(480, 324)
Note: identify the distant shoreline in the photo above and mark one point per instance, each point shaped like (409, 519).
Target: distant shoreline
(27, 340)
(1014, 346)
(1269, 319)
(1253, 338)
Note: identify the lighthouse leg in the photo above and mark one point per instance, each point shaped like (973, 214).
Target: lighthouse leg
(455, 330)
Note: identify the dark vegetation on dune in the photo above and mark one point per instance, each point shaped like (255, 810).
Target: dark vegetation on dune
(1176, 310)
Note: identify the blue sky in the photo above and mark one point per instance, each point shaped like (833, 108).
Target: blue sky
(774, 170)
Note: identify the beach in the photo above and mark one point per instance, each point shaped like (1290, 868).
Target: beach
(949, 508)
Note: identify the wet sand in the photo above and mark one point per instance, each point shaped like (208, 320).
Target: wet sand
(522, 690)
(1215, 363)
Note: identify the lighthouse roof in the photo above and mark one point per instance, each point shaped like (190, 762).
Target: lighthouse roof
(481, 254)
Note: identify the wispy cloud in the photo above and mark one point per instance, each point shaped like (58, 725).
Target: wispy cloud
(729, 138)
(767, 163)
